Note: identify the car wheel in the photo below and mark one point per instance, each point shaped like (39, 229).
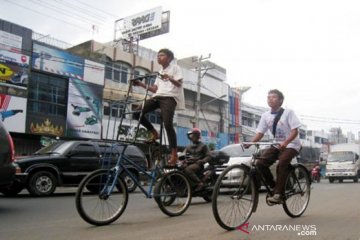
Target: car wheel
(331, 180)
(12, 190)
(131, 184)
(356, 178)
(42, 183)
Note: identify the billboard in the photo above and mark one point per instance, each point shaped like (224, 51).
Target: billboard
(57, 62)
(140, 23)
(94, 72)
(84, 111)
(10, 41)
(13, 112)
(165, 27)
(14, 68)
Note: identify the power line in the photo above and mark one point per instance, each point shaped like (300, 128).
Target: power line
(43, 14)
(328, 119)
(82, 10)
(98, 9)
(63, 11)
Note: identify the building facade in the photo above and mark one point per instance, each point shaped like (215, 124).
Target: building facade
(76, 93)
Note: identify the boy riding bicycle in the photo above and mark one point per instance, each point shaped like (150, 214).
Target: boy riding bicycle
(284, 126)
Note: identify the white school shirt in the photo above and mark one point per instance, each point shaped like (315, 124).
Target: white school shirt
(287, 122)
(168, 89)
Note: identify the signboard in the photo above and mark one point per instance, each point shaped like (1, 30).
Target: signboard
(141, 23)
(165, 27)
(10, 41)
(14, 68)
(57, 61)
(13, 112)
(94, 72)
(84, 111)
(49, 125)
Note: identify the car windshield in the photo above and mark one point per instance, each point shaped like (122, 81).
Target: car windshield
(54, 148)
(345, 156)
(237, 151)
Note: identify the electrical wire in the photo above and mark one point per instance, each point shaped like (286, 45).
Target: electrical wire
(44, 14)
(82, 10)
(75, 15)
(98, 9)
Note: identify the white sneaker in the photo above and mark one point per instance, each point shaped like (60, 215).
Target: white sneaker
(276, 198)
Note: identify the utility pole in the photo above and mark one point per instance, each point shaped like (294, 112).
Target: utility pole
(199, 69)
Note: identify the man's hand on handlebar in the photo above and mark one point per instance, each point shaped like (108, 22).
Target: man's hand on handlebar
(246, 146)
(283, 145)
(165, 77)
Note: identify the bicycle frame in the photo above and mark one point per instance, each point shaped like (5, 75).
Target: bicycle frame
(120, 167)
(123, 159)
(255, 173)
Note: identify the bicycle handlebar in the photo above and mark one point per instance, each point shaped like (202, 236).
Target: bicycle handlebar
(261, 143)
(155, 74)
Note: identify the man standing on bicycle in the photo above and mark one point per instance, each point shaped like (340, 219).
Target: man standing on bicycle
(197, 154)
(168, 96)
(284, 125)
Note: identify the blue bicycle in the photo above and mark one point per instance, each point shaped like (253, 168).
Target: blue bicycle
(102, 195)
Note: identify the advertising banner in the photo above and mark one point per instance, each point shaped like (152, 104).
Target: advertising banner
(57, 62)
(14, 68)
(141, 23)
(84, 110)
(94, 72)
(9, 41)
(13, 113)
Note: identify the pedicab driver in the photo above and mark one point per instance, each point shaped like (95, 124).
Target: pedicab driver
(198, 154)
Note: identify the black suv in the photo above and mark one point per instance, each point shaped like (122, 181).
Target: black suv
(66, 163)
(7, 167)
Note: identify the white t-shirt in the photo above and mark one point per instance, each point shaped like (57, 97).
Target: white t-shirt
(168, 89)
(287, 122)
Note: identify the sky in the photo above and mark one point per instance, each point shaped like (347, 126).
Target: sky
(309, 49)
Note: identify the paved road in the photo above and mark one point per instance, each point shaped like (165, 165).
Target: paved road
(334, 210)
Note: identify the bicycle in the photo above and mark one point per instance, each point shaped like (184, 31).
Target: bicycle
(102, 195)
(236, 192)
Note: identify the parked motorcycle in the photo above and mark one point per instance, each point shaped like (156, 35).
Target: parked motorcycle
(208, 175)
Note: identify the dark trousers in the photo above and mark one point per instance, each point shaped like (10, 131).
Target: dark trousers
(268, 158)
(191, 171)
(167, 107)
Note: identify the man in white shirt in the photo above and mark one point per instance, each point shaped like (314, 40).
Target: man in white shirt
(169, 95)
(286, 134)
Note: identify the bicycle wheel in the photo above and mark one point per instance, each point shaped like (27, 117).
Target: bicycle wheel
(297, 191)
(234, 196)
(173, 193)
(94, 201)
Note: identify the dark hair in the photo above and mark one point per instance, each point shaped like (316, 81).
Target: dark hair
(277, 92)
(167, 52)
